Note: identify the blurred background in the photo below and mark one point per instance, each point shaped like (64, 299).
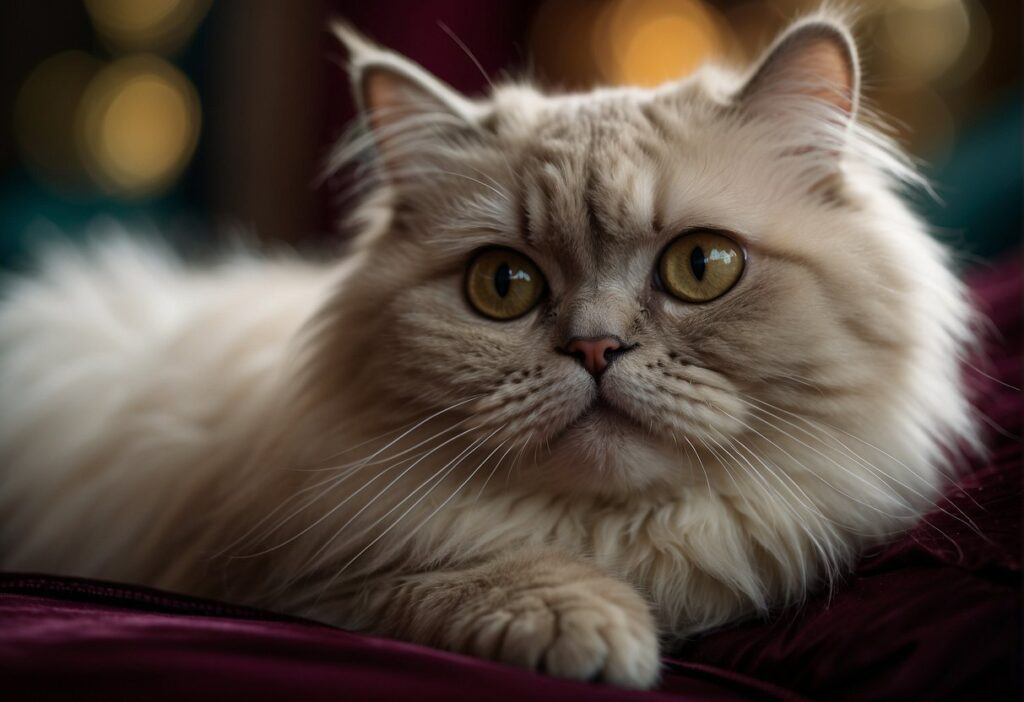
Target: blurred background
(206, 119)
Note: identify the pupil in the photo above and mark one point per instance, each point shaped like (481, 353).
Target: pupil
(503, 279)
(697, 262)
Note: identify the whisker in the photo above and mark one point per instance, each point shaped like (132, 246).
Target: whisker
(355, 465)
(518, 459)
(966, 520)
(415, 427)
(493, 471)
(798, 518)
(815, 473)
(479, 66)
(454, 464)
(763, 595)
(911, 515)
(351, 495)
(700, 461)
(989, 377)
(499, 193)
(457, 489)
(824, 426)
(374, 500)
(332, 482)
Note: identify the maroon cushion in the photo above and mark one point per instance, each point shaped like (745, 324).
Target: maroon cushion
(934, 615)
(68, 638)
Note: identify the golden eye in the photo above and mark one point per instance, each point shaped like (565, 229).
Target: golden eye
(701, 265)
(503, 284)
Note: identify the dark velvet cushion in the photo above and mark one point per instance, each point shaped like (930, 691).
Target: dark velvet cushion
(933, 615)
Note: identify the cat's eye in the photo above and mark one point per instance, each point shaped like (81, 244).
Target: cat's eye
(503, 284)
(701, 265)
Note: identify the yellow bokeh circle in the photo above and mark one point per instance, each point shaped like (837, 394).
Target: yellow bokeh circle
(138, 125)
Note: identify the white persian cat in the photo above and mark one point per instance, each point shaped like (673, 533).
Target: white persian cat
(599, 368)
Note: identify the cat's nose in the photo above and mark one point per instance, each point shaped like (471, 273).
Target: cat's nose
(595, 353)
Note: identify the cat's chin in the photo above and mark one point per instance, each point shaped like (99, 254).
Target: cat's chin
(606, 449)
(602, 415)
(600, 422)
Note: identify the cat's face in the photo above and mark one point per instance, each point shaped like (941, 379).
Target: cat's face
(623, 279)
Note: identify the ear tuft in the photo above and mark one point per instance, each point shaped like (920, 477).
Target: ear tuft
(393, 92)
(815, 58)
(359, 48)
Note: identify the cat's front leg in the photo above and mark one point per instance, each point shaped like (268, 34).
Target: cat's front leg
(539, 610)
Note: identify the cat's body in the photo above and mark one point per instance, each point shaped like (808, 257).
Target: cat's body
(352, 442)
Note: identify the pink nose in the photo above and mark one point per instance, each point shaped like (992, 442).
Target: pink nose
(594, 354)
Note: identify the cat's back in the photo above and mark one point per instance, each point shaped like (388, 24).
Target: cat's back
(123, 371)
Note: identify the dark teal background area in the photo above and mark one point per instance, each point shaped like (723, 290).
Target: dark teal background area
(980, 187)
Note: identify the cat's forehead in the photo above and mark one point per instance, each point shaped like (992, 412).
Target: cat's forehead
(525, 110)
(588, 172)
(587, 177)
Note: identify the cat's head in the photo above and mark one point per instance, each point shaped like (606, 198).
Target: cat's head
(622, 280)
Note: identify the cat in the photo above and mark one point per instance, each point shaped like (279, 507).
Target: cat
(600, 370)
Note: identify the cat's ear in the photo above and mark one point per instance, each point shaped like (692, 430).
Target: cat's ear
(810, 70)
(401, 103)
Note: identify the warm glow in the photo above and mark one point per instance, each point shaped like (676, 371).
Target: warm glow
(619, 42)
(153, 25)
(139, 125)
(654, 55)
(926, 36)
(652, 41)
(560, 38)
(44, 117)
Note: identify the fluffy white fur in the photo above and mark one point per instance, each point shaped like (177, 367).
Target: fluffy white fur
(348, 440)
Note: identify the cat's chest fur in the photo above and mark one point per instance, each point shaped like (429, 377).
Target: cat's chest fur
(692, 553)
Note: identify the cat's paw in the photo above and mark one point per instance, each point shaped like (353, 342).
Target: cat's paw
(595, 629)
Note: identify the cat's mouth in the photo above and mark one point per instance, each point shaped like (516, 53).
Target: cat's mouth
(600, 420)
(600, 412)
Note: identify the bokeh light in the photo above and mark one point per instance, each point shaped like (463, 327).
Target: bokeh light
(646, 42)
(44, 118)
(915, 51)
(146, 25)
(926, 36)
(626, 42)
(115, 128)
(138, 125)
